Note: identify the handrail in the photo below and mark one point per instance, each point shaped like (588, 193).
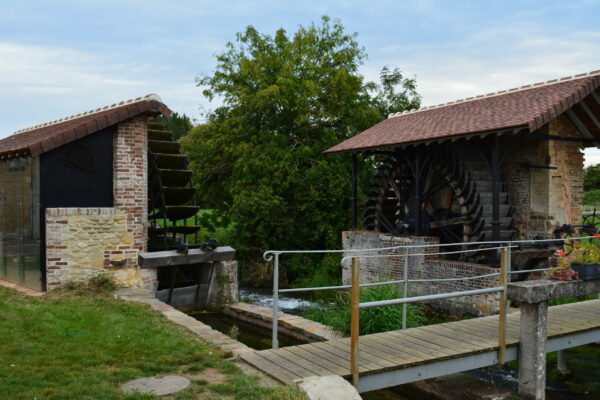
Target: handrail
(268, 255)
(505, 248)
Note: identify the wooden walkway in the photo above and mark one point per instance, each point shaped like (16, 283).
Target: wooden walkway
(392, 358)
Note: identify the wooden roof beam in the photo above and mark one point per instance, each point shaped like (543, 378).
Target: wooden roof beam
(578, 124)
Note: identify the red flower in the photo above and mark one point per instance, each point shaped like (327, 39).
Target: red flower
(596, 234)
(561, 253)
(560, 278)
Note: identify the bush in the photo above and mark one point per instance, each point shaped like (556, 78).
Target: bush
(592, 197)
(372, 320)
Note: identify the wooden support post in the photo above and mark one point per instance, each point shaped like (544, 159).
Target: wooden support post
(504, 260)
(354, 321)
(354, 198)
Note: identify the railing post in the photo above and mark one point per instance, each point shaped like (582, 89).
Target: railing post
(274, 340)
(405, 289)
(504, 261)
(354, 321)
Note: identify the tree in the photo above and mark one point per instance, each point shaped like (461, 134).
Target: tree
(180, 125)
(285, 99)
(591, 179)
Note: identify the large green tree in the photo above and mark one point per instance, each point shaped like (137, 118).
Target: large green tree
(180, 125)
(285, 99)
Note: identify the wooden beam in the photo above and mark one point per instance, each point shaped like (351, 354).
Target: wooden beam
(578, 124)
(596, 96)
(157, 259)
(590, 114)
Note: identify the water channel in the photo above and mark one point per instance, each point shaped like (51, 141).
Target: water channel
(584, 362)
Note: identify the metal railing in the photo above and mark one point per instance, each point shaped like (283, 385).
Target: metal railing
(504, 247)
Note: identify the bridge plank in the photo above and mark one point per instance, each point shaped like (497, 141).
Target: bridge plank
(318, 369)
(321, 360)
(448, 338)
(473, 342)
(433, 340)
(400, 343)
(362, 356)
(402, 338)
(394, 355)
(291, 364)
(342, 352)
(269, 368)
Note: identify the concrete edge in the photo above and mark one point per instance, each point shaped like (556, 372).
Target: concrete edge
(231, 347)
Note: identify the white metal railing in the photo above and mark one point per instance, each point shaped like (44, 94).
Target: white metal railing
(504, 247)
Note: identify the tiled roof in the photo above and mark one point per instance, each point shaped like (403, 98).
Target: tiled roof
(530, 106)
(41, 138)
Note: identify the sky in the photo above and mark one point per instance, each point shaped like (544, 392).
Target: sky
(63, 57)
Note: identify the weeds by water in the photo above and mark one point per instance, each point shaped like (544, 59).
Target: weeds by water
(372, 320)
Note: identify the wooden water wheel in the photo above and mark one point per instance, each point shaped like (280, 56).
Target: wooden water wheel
(172, 217)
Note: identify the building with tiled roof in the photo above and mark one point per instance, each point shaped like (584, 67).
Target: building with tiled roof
(86, 194)
(495, 167)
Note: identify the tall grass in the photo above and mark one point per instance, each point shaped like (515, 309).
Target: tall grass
(372, 320)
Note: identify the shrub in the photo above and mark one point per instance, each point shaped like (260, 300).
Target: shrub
(372, 320)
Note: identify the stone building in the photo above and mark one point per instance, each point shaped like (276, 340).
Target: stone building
(74, 197)
(494, 167)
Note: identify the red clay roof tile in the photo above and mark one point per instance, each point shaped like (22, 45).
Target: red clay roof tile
(45, 137)
(530, 106)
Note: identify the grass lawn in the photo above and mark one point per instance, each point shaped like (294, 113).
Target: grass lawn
(81, 344)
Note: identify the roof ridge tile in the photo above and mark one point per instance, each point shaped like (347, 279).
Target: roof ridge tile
(148, 97)
(499, 92)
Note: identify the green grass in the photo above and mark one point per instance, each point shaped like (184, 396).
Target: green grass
(372, 320)
(71, 345)
(569, 300)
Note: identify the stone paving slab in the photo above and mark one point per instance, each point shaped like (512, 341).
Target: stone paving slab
(159, 386)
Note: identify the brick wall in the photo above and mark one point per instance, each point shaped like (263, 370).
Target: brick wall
(423, 267)
(85, 242)
(543, 198)
(566, 194)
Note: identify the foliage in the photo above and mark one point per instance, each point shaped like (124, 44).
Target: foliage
(591, 180)
(180, 125)
(258, 158)
(584, 251)
(591, 197)
(69, 346)
(569, 300)
(372, 320)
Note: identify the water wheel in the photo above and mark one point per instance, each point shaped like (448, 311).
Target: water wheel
(456, 197)
(172, 217)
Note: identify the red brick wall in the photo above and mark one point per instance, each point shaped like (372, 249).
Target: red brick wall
(543, 199)
(131, 177)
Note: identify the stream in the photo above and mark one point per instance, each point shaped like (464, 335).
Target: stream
(584, 362)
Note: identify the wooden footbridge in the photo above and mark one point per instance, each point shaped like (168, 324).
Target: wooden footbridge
(398, 357)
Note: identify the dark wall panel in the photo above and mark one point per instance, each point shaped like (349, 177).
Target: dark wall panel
(79, 174)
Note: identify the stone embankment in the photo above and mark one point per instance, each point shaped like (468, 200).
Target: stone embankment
(291, 325)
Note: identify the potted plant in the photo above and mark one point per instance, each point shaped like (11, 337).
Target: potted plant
(583, 262)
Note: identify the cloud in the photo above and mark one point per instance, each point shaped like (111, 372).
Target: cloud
(41, 83)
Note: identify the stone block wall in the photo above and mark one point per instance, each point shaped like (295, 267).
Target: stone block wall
(544, 198)
(423, 267)
(85, 242)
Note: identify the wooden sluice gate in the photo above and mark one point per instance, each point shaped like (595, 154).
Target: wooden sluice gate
(205, 270)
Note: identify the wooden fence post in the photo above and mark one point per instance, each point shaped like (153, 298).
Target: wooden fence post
(354, 321)
(504, 260)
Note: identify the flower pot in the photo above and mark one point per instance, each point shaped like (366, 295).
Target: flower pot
(587, 271)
